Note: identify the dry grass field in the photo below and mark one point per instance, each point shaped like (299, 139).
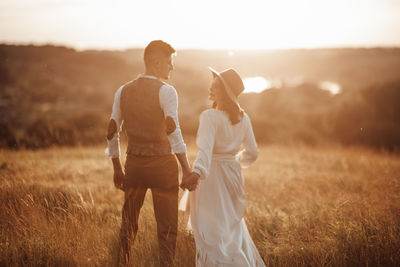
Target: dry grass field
(307, 206)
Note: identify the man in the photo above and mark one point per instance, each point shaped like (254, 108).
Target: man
(148, 108)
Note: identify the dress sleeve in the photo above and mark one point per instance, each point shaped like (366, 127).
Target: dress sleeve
(250, 152)
(205, 143)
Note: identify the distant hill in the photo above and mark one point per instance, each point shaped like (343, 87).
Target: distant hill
(54, 83)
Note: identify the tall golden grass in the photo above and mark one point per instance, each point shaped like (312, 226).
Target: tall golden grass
(306, 207)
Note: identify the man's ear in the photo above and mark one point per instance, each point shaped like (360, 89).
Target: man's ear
(156, 65)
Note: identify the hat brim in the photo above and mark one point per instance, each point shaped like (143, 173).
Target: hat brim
(228, 89)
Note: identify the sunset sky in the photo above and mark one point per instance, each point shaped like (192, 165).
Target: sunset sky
(221, 24)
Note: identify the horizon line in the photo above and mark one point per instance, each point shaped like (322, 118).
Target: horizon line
(96, 48)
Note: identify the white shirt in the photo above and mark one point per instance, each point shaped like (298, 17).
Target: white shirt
(168, 99)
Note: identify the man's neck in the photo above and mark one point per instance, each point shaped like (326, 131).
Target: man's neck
(151, 73)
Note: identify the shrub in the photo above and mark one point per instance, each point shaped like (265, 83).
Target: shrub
(7, 137)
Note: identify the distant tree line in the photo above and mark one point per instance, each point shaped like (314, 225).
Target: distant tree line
(55, 96)
(371, 118)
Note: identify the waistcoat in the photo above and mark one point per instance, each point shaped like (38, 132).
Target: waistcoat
(144, 121)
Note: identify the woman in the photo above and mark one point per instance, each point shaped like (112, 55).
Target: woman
(218, 204)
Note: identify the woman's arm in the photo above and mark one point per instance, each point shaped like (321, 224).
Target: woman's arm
(250, 152)
(205, 142)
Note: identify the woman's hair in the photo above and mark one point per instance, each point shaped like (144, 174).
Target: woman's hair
(234, 111)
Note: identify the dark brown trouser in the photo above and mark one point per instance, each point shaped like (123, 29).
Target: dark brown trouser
(160, 175)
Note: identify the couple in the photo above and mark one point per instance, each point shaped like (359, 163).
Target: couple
(148, 108)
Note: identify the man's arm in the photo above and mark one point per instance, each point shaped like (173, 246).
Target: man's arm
(114, 127)
(179, 150)
(190, 179)
(169, 104)
(182, 158)
(118, 173)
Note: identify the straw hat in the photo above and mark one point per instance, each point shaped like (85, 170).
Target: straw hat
(232, 81)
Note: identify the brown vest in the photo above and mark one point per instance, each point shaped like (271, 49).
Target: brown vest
(143, 117)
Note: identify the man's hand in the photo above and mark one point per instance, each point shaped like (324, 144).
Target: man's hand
(190, 181)
(119, 177)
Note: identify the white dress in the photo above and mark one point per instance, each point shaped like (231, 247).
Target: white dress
(218, 204)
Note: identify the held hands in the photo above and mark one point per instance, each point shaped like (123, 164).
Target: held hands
(190, 181)
(119, 177)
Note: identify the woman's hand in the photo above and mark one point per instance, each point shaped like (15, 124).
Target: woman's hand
(190, 181)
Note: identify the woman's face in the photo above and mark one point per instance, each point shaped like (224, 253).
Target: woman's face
(215, 91)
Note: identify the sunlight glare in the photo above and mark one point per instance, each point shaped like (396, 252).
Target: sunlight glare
(256, 84)
(281, 24)
(332, 87)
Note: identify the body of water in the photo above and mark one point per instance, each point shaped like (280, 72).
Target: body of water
(259, 84)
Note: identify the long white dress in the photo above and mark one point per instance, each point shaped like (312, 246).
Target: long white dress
(218, 204)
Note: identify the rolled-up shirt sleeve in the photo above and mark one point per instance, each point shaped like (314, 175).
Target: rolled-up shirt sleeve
(169, 104)
(113, 146)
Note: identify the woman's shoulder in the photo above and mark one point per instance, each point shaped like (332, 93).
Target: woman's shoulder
(212, 115)
(245, 119)
(246, 116)
(215, 113)
(211, 112)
